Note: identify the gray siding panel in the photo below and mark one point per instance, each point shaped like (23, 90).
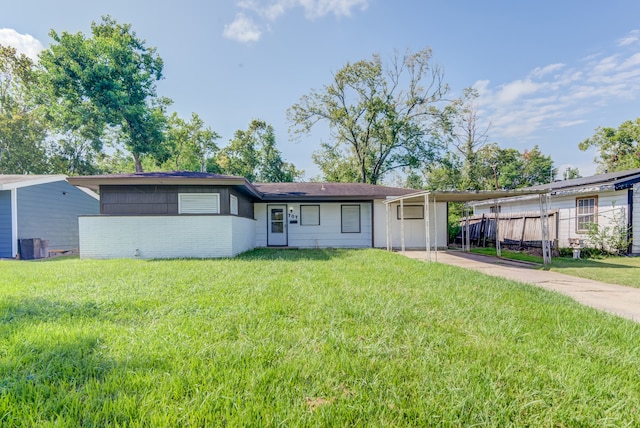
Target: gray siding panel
(50, 211)
(163, 200)
(5, 223)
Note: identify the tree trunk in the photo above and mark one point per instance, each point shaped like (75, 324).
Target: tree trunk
(136, 158)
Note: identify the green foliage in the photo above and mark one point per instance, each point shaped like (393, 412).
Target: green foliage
(253, 154)
(107, 80)
(381, 117)
(618, 148)
(612, 239)
(304, 338)
(190, 144)
(22, 132)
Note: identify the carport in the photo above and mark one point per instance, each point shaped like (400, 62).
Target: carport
(431, 197)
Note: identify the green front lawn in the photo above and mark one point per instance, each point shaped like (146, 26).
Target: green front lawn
(612, 270)
(304, 338)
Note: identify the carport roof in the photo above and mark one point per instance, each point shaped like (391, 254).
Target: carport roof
(465, 196)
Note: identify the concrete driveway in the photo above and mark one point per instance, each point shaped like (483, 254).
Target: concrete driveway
(616, 299)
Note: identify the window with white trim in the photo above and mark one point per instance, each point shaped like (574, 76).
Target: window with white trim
(233, 205)
(309, 215)
(586, 213)
(198, 203)
(350, 218)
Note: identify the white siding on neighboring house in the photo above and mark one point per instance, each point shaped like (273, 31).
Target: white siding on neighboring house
(611, 205)
(415, 235)
(327, 234)
(198, 236)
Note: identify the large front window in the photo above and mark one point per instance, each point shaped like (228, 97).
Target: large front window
(586, 213)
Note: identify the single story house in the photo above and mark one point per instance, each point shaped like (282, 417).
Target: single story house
(201, 215)
(605, 199)
(41, 207)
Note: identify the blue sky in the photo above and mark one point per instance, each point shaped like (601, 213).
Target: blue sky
(549, 72)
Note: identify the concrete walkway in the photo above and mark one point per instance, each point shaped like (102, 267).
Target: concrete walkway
(616, 299)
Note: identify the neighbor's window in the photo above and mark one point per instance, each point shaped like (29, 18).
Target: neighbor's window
(492, 209)
(350, 218)
(586, 213)
(198, 203)
(309, 215)
(233, 205)
(411, 212)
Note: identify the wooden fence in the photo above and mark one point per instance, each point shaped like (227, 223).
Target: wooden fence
(521, 230)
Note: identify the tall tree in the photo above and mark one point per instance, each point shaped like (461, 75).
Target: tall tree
(107, 80)
(511, 169)
(22, 132)
(190, 144)
(618, 148)
(381, 116)
(468, 136)
(253, 154)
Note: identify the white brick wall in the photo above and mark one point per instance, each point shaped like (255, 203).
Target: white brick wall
(183, 236)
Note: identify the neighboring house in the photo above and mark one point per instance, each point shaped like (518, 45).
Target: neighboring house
(44, 207)
(188, 214)
(605, 199)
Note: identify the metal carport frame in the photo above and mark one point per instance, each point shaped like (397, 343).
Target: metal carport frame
(468, 196)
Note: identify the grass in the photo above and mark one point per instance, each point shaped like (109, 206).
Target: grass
(613, 270)
(304, 338)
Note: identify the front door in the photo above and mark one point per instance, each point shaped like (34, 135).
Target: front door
(277, 225)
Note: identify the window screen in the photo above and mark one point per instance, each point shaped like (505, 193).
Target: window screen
(350, 218)
(411, 212)
(233, 205)
(309, 215)
(198, 203)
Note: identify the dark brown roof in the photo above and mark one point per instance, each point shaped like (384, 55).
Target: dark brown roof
(327, 191)
(264, 191)
(164, 178)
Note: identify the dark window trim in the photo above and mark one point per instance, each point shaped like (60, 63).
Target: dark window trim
(410, 217)
(342, 217)
(302, 218)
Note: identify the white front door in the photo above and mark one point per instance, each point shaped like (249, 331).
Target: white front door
(277, 225)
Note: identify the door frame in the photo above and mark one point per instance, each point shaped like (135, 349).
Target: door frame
(285, 221)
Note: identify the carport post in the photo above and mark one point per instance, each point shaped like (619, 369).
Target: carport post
(402, 223)
(435, 220)
(388, 214)
(426, 227)
(497, 209)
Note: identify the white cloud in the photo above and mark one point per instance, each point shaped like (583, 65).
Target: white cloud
(558, 96)
(242, 29)
(23, 43)
(542, 71)
(510, 92)
(629, 39)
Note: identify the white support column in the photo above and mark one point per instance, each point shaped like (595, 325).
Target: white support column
(467, 240)
(427, 228)
(544, 228)
(435, 220)
(402, 223)
(498, 249)
(387, 212)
